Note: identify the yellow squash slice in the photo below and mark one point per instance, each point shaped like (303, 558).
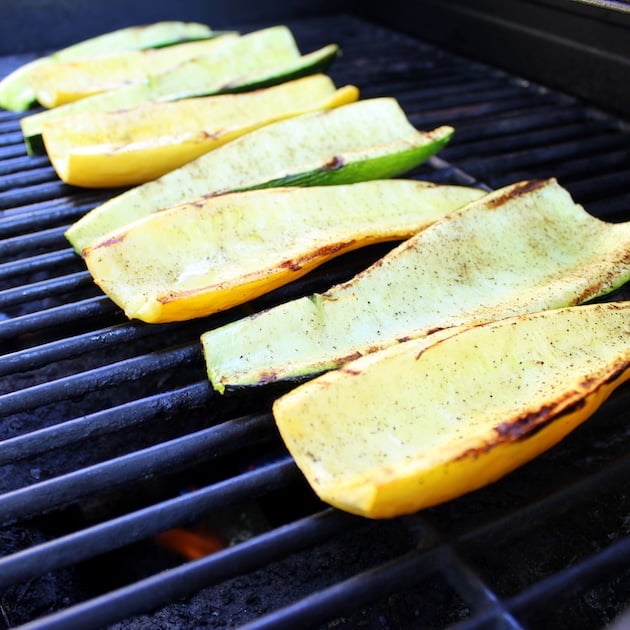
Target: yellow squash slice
(365, 140)
(526, 247)
(68, 81)
(65, 82)
(128, 147)
(431, 419)
(258, 59)
(207, 256)
(16, 93)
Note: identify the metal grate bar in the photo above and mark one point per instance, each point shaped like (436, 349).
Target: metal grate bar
(562, 585)
(45, 288)
(44, 238)
(63, 315)
(103, 338)
(353, 592)
(111, 375)
(41, 262)
(173, 584)
(20, 163)
(126, 469)
(141, 524)
(484, 146)
(27, 194)
(102, 422)
(596, 568)
(28, 218)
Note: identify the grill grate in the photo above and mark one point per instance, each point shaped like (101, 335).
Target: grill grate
(110, 433)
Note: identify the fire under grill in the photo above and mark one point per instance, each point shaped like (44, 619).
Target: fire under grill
(132, 496)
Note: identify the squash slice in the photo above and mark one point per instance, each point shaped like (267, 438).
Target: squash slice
(17, 94)
(199, 258)
(523, 248)
(429, 420)
(67, 81)
(369, 139)
(258, 59)
(129, 147)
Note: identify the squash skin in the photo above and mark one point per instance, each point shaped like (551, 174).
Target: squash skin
(326, 422)
(259, 59)
(68, 81)
(368, 139)
(134, 146)
(517, 250)
(17, 94)
(202, 257)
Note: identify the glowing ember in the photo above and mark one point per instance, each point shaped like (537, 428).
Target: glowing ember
(190, 544)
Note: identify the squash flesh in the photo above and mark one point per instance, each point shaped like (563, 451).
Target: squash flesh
(430, 419)
(319, 146)
(67, 81)
(524, 248)
(129, 147)
(202, 257)
(17, 94)
(238, 61)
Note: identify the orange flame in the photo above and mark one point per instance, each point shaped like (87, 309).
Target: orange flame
(190, 544)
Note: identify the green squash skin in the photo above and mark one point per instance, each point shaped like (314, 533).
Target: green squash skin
(368, 168)
(364, 169)
(344, 151)
(312, 63)
(16, 94)
(448, 275)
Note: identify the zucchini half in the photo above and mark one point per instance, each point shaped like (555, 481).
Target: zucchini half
(17, 94)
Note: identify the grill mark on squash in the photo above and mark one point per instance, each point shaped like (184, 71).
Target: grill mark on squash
(517, 191)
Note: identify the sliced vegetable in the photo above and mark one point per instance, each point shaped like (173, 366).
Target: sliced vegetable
(199, 258)
(369, 139)
(67, 81)
(259, 59)
(17, 94)
(128, 147)
(426, 421)
(526, 247)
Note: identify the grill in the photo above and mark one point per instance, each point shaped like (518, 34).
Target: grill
(112, 441)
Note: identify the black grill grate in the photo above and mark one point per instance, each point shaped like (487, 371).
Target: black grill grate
(110, 434)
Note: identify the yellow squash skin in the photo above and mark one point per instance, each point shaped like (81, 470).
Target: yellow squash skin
(202, 257)
(524, 248)
(234, 62)
(68, 81)
(364, 140)
(129, 147)
(17, 94)
(429, 420)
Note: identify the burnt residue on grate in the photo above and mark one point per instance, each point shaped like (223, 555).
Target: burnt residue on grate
(110, 433)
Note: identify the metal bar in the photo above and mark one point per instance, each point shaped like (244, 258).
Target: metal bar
(110, 375)
(29, 218)
(175, 583)
(141, 524)
(75, 345)
(45, 288)
(51, 238)
(90, 426)
(613, 560)
(348, 595)
(26, 193)
(41, 262)
(127, 469)
(62, 315)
